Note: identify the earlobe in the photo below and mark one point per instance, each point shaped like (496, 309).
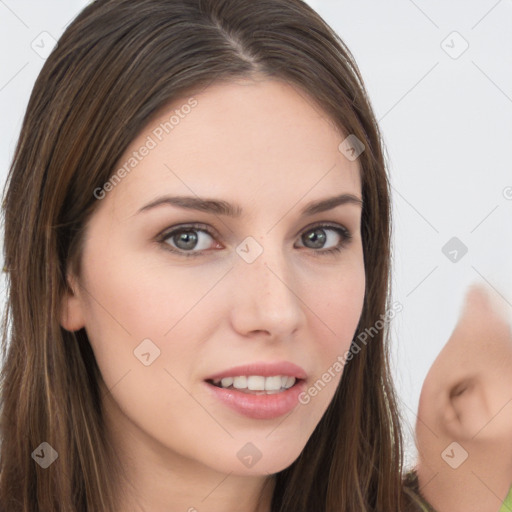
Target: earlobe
(71, 312)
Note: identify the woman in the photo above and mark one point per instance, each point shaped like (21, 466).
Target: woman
(137, 375)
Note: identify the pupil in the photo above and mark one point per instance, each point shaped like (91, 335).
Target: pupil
(188, 237)
(317, 237)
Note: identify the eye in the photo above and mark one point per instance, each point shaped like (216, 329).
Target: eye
(186, 238)
(317, 236)
(194, 239)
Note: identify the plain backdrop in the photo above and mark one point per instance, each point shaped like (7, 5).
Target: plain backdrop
(439, 77)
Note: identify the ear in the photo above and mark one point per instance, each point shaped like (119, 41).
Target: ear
(71, 310)
(470, 381)
(464, 425)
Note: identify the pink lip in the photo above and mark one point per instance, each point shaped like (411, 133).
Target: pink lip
(260, 407)
(263, 369)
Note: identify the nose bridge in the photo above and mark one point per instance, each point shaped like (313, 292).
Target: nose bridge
(265, 297)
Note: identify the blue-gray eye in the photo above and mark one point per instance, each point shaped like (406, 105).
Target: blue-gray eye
(194, 239)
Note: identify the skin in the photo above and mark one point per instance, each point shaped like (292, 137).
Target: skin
(266, 146)
(467, 398)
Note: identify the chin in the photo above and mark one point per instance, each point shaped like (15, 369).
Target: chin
(267, 464)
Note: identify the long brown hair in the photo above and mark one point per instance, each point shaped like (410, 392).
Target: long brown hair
(115, 67)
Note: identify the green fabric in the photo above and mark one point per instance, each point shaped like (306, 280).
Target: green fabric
(411, 483)
(507, 504)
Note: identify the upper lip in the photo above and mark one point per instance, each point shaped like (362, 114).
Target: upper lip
(264, 369)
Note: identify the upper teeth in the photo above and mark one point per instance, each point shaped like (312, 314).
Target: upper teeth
(257, 382)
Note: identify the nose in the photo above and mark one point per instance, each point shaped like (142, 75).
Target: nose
(266, 296)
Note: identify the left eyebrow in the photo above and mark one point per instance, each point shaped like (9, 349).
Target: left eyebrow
(331, 202)
(220, 207)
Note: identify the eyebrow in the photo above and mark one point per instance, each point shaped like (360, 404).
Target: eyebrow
(221, 207)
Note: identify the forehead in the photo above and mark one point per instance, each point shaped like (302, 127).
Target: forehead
(253, 141)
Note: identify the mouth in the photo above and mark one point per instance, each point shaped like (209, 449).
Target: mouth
(248, 396)
(257, 384)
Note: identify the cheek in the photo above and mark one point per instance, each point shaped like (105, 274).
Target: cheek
(331, 333)
(139, 312)
(333, 322)
(144, 299)
(169, 312)
(339, 304)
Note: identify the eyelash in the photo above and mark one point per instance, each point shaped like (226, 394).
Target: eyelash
(342, 231)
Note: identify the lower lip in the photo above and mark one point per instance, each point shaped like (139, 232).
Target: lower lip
(260, 407)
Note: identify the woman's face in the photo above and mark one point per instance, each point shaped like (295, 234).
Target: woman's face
(165, 312)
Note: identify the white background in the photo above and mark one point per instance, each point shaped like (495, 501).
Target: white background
(447, 126)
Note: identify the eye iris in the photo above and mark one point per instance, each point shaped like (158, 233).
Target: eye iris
(189, 237)
(317, 236)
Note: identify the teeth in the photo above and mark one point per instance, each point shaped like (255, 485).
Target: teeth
(240, 382)
(226, 382)
(271, 383)
(257, 382)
